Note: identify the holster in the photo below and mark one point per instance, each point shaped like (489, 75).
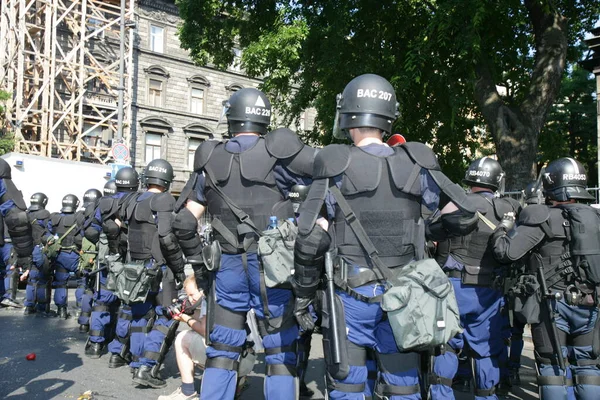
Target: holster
(474, 275)
(211, 254)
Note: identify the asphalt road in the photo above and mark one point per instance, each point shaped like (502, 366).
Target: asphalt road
(61, 371)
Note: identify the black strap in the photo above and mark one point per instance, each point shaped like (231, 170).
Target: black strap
(587, 363)
(587, 380)
(127, 317)
(263, 289)
(485, 392)
(384, 272)
(554, 381)
(345, 387)
(453, 273)
(142, 329)
(95, 332)
(385, 389)
(439, 380)
(222, 363)
(281, 369)
(283, 349)
(226, 347)
(99, 308)
(152, 355)
(85, 313)
(238, 212)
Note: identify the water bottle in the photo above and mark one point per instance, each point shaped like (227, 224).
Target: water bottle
(272, 223)
(292, 220)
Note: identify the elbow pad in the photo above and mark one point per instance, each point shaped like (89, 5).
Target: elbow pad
(185, 228)
(309, 259)
(20, 231)
(459, 223)
(171, 250)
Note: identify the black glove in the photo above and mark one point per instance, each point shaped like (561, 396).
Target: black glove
(302, 313)
(508, 221)
(179, 278)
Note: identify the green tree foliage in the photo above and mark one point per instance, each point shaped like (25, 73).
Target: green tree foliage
(445, 58)
(571, 127)
(7, 140)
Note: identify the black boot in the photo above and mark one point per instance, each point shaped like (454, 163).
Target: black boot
(515, 378)
(62, 312)
(117, 361)
(84, 328)
(94, 350)
(145, 377)
(305, 392)
(29, 310)
(503, 387)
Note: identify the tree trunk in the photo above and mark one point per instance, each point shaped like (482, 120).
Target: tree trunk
(516, 147)
(515, 129)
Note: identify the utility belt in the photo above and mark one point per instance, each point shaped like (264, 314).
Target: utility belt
(575, 295)
(476, 276)
(132, 280)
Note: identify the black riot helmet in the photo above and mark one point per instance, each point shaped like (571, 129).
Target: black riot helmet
(91, 196)
(565, 179)
(5, 171)
(297, 196)
(368, 101)
(110, 188)
(70, 203)
(484, 172)
(247, 110)
(127, 180)
(159, 172)
(533, 194)
(38, 201)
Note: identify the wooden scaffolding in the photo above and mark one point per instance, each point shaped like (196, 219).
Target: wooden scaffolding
(60, 61)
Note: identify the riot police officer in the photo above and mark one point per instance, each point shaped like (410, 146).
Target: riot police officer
(560, 243)
(152, 244)
(475, 274)
(105, 231)
(64, 233)
(84, 293)
(385, 189)
(37, 292)
(252, 173)
(15, 223)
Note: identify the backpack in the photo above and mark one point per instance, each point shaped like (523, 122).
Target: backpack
(276, 251)
(421, 306)
(584, 241)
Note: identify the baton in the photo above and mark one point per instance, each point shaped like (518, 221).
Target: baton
(336, 349)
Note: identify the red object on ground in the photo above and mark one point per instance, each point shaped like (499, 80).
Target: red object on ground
(395, 140)
(30, 356)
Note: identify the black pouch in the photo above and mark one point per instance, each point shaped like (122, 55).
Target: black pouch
(596, 339)
(475, 276)
(338, 371)
(527, 300)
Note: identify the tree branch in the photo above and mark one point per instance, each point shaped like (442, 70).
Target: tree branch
(550, 31)
(487, 97)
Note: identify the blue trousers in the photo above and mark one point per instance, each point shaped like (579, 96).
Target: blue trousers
(65, 263)
(7, 273)
(35, 293)
(237, 289)
(573, 323)
(480, 313)
(368, 329)
(84, 296)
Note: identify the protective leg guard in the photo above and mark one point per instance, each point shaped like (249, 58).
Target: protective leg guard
(445, 367)
(141, 326)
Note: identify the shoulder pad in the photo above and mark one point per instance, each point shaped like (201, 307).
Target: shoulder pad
(302, 163)
(5, 172)
(162, 202)
(203, 153)
(331, 161)
(534, 215)
(105, 205)
(42, 214)
(55, 219)
(421, 155)
(283, 143)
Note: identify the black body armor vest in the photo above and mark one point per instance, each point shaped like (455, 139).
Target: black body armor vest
(62, 223)
(391, 217)
(143, 230)
(473, 250)
(37, 219)
(247, 178)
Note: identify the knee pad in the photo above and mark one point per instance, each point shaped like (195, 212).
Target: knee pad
(393, 364)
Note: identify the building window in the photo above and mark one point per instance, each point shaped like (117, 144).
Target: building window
(153, 146)
(197, 101)
(193, 144)
(302, 121)
(155, 89)
(157, 38)
(236, 65)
